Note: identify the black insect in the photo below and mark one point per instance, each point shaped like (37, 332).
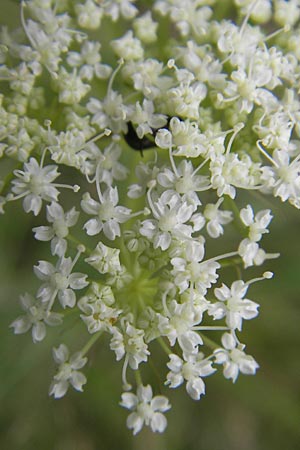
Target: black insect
(135, 142)
(144, 143)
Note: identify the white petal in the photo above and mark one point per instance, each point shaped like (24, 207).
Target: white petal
(78, 280)
(93, 227)
(158, 422)
(77, 380)
(67, 298)
(59, 389)
(129, 400)
(160, 403)
(21, 325)
(38, 331)
(43, 233)
(195, 388)
(61, 354)
(135, 422)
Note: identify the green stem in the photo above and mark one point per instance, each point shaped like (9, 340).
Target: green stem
(91, 342)
(138, 377)
(164, 346)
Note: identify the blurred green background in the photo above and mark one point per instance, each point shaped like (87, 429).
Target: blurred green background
(257, 413)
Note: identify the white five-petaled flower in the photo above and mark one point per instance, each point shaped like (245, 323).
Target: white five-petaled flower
(146, 409)
(192, 368)
(146, 119)
(130, 342)
(97, 308)
(216, 218)
(68, 371)
(59, 230)
(35, 317)
(178, 325)
(233, 305)
(234, 359)
(257, 224)
(184, 181)
(34, 183)
(107, 214)
(190, 269)
(170, 217)
(59, 281)
(105, 259)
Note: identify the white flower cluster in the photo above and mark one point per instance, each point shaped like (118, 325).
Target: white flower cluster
(165, 140)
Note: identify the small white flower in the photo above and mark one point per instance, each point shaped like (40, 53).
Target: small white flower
(178, 325)
(117, 8)
(88, 61)
(251, 253)
(234, 359)
(110, 113)
(35, 317)
(105, 259)
(190, 268)
(34, 183)
(184, 181)
(59, 230)
(59, 281)
(146, 409)
(129, 342)
(107, 215)
(68, 371)
(192, 368)
(145, 28)
(71, 87)
(171, 215)
(96, 306)
(128, 47)
(146, 119)
(216, 218)
(233, 305)
(89, 15)
(258, 224)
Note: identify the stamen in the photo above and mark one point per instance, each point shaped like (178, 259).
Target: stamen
(51, 301)
(212, 328)
(80, 250)
(97, 180)
(43, 157)
(145, 212)
(222, 99)
(284, 29)
(113, 76)
(126, 386)
(10, 197)
(236, 129)
(218, 258)
(247, 17)
(151, 185)
(200, 166)
(74, 188)
(263, 151)
(24, 25)
(95, 138)
(173, 162)
(266, 276)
